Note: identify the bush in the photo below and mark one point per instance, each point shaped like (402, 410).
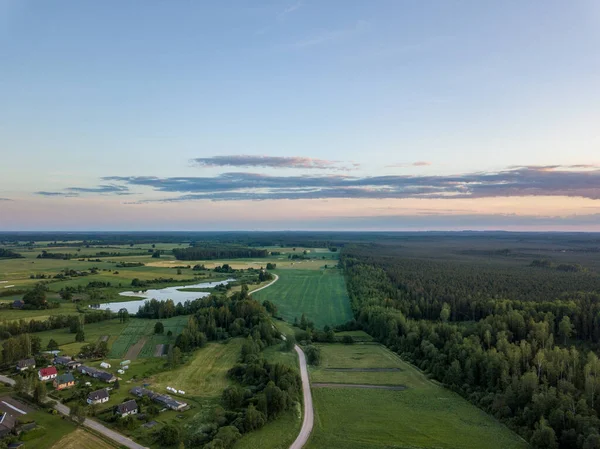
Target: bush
(347, 339)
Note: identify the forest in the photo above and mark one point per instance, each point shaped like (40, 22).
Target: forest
(218, 252)
(514, 339)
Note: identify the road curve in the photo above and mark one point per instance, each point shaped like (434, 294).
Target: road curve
(7, 380)
(309, 417)
(95, 425)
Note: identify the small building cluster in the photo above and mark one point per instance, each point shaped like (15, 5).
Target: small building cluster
(66, 361)
(163, 399)
(97, 373)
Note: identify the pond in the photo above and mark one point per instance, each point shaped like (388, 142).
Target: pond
(174, 293)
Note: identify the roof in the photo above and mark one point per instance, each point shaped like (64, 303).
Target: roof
(127, 406)
(65, 378)
(98, 394)
(7, 421)
(62, 359)
(51, 370)
(103, 375)
(25, 362)
(18, 303)
(17, 445)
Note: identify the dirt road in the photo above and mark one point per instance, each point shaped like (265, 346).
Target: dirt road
(307, 424)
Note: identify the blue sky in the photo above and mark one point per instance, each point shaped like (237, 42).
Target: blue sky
(98, 94)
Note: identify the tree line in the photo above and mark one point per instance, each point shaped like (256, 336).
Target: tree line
(218, 252)
(518, 352)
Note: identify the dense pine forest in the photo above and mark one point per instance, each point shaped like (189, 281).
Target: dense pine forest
(515, 338)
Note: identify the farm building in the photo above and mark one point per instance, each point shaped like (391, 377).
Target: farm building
(96, 373)
(66, 361)
(98, 397)
(47, 373)
(24, 364)
(7, 424)
(127, 408)
(163, 399)
(18, 304)
(64, 381)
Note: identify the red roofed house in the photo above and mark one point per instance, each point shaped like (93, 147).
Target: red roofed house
(47, 373)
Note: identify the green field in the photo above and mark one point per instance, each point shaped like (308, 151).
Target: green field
(138, 329)
(319, 294)
(205, 374)
(425, 415)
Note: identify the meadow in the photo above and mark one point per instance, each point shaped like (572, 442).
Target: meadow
(424, 415)
(82, 439)
(319, 294)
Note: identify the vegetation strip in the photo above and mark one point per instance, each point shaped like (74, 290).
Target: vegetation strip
(373, 387)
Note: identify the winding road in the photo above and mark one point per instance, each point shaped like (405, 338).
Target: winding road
(309, 416)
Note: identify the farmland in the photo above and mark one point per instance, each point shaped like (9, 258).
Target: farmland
(423, 415)
(138, 329)
(319, 294)
(82, 439)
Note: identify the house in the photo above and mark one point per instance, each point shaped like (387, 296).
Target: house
(62, 360)
(127, 408)
(98, 397)
(16, 445)
(106, 377)
(7, 424)
(24, 364)
(64, 381)
(18, 304)
(47, 373)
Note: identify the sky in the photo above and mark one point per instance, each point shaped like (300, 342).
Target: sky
(292, 115)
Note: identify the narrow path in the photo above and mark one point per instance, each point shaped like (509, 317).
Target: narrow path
(307, 424)
(111, 434)
(367, 386)
(7, 381)
(265, 286)
(309, 417)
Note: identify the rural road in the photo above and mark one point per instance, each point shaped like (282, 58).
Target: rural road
(94, 425)
(265, 286)
(307, 424)
(7, 380)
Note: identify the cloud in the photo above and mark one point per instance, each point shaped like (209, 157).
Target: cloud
(528, 181)
(103, 189)
(269, 161)
(290, 9)
(329, 36)
(414, 164)
(64, 194)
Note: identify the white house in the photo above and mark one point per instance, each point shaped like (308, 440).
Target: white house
(127, 408)
(98, 397)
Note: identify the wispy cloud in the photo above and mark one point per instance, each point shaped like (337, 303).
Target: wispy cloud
(528, 181)
(329, 36)
(103, 189)
(290, 9)
(413, 164)
(270, 162)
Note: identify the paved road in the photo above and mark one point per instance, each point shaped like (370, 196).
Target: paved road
(7, 380)
(307, 424)
(94, 425)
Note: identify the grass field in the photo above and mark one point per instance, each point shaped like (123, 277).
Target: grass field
(50, 429)
(137, 329)
(319, 294)
(205, 375)
(278, 434)
(425, 415)
(82, 439)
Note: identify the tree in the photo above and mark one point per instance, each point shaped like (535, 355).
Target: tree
(159, 328)
(178, 270)
(36, 298)
(228, 435)
(123, 315)
(168, 435)
(565, 329)
(52, 345)
(544, 437)
(36, 344)
(445, 313)
(313, 354)
(77, 413)
(347, 339)
(254, 419)
(156, 254)
(289, 342)
(39, 392)
(80, 336)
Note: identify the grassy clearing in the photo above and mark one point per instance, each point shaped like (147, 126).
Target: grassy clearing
(205, 375)
(278, 434)
(82, 439)
(50, 429)
(138, 328)
(425, 415)
(319, 294)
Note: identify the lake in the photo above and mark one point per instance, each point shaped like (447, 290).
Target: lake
(162, 294)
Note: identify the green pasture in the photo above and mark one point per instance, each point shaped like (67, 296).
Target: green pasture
(319, 294)
(424, 415)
